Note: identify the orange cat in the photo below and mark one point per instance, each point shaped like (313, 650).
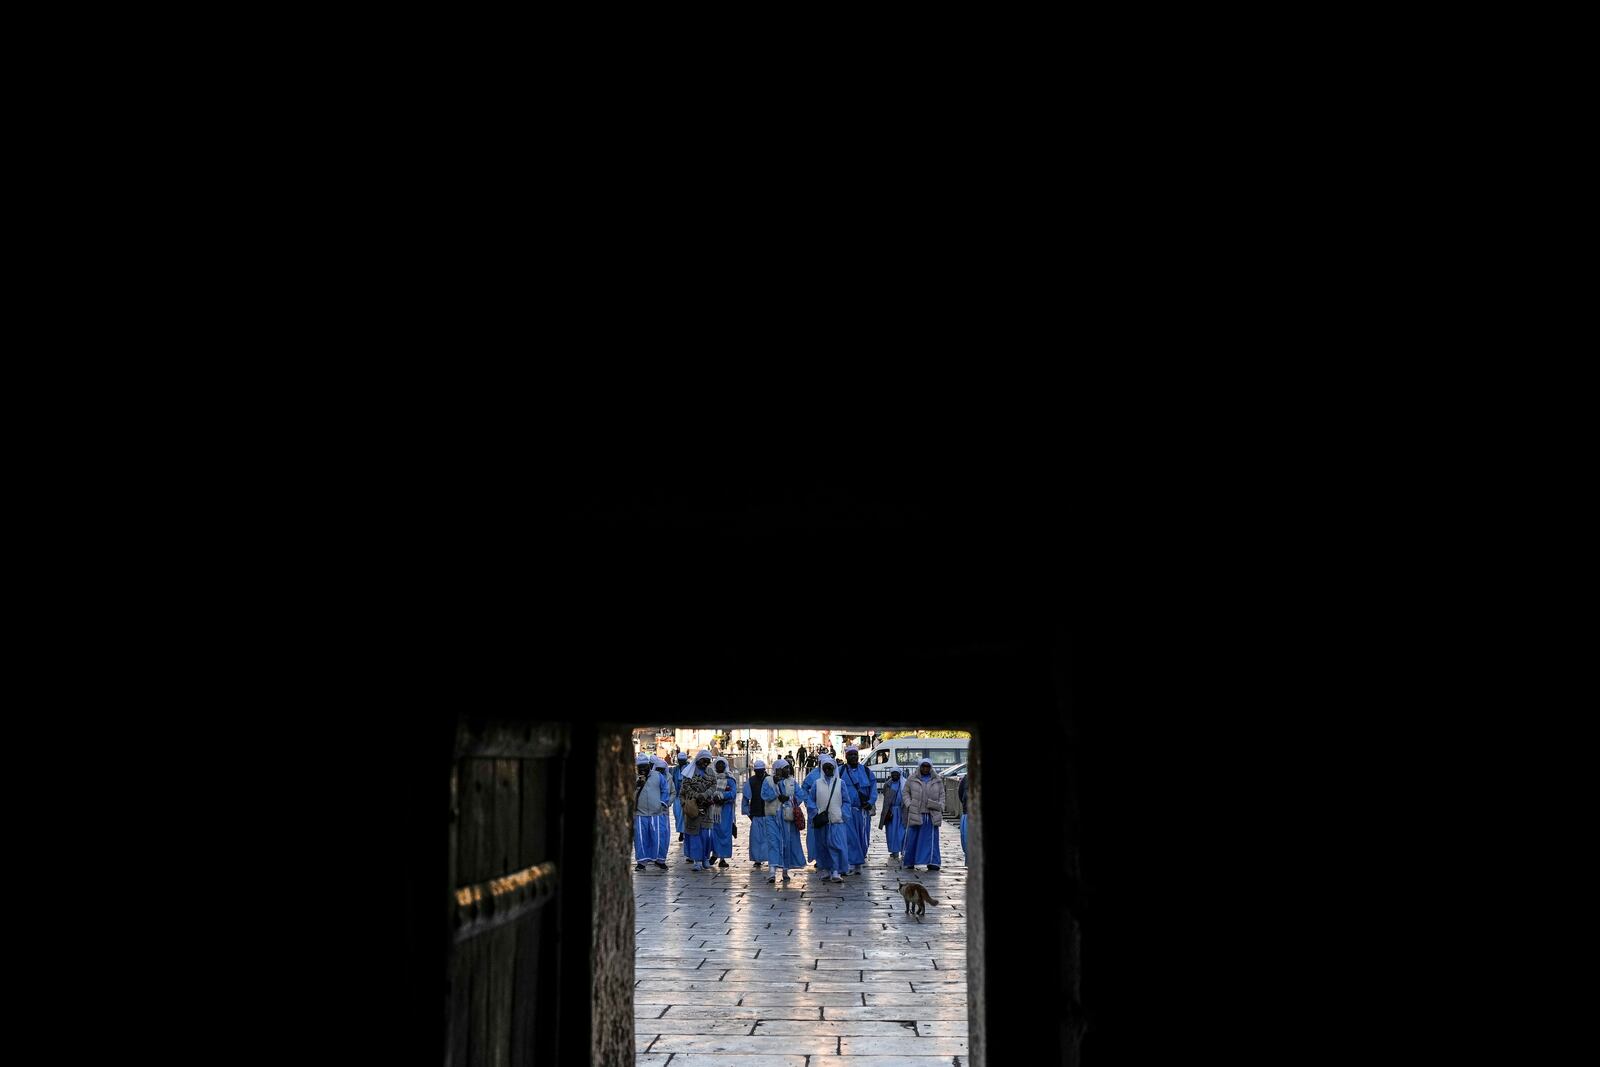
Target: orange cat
(915, 891)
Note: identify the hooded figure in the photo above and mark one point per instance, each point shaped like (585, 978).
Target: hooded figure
(758, 793)
(813, 835)
(663, 821)
(827, 796)
(722, 810)
(893, 819)
(783, 839)
(700, 786)
(923, 798)
(860, 796)
(963, 792)
(677, 799)
(650, 797)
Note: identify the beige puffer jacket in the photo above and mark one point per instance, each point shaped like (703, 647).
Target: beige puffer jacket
(924, 799)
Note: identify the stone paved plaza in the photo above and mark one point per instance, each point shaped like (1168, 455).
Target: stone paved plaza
(734, 972)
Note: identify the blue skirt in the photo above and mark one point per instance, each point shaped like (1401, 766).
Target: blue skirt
(963, 835)
(760, 847)
(835, 843)
(723, 832)
(700, 846)
(783, 843)
(663, 834)
(896, 829)
(922, 844)
(645, 830)
(858, 834)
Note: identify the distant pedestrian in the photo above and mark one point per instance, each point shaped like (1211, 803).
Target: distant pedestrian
(784, 840)
(893, 819)
(754, 805)
(860, 795)
(650, 798)
(964, 817)
(813, 833)
(722, 810)
(664, 820)
(828, 796)
(800, 756)
(677, 795)
(699, 786)
(924, 803)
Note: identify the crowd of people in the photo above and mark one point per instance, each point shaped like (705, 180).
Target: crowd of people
(807, 806)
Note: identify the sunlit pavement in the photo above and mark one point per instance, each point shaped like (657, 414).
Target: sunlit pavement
(733, 971)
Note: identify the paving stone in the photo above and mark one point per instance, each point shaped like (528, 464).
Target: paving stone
(903, 1046)
(775, 1045)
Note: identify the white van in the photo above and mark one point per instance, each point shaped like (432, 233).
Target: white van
(905, 754)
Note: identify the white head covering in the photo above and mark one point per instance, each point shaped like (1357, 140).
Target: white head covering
(694, 764)
(851, 748)
(720, 760)
(829, 761)
(660, 763)
(759, 765)
(779, 763)
(643, 758)
(925, 763)
(684, 756)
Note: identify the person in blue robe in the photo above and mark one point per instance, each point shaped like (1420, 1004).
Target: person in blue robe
(754, 805)
(700, 785)
(893, 819)
(860, 797)
(963, 818)
(664, 820)
(727, 792)
(784, 840)
(833, 835)
(923, 799)
(650, 796)
(813, 835)
(677, 792)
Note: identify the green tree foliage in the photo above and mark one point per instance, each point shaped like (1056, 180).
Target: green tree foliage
(886, 735)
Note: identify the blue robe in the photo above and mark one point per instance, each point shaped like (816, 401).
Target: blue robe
(813, 836)
(963, 817)
(783, 839)
(859, 787)
(833, 840)
(758, 824)
(677, 805)
(723, 831)
(895, 828)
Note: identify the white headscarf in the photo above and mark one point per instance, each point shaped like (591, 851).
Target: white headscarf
(778, 763)
(643, 758)
(759, 765)
(704, 753)
(829, 761)
(660, 764)
(851, 748)
(722, 761)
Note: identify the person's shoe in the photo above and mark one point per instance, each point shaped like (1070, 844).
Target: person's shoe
(688, 859)
(638, 866)
(785, 876)
(722, 863)
(774, 878)
(680, 837)
(663, 866)
(908, 868)
(933, 866)
(836, 878)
